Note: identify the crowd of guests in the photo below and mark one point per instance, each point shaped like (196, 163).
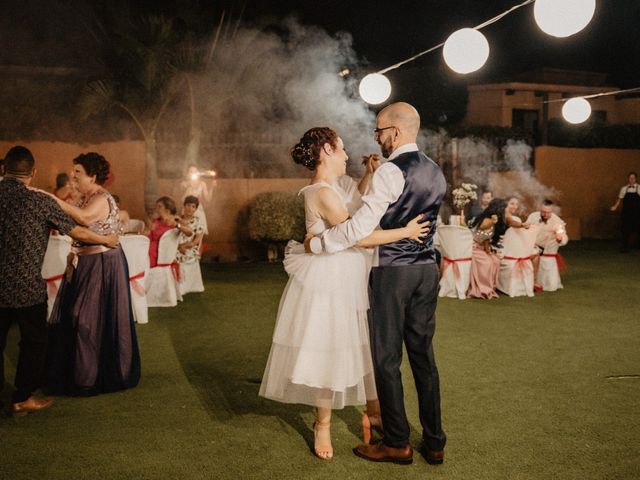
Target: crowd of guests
(88, 344)
(490, 219)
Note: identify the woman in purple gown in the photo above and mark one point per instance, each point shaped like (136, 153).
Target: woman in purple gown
(93, 346)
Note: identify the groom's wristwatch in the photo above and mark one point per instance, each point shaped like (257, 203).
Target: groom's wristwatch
(316, 245)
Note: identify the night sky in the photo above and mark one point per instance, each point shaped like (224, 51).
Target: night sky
(387, 32)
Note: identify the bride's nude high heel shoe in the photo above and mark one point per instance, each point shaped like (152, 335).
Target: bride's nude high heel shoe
(324, 451)
(370, 422)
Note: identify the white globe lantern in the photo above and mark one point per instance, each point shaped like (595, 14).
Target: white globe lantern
(576, 110)
(375, 88)
(466, 50)
(563, 18)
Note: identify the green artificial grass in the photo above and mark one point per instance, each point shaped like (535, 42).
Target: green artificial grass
(527, 390)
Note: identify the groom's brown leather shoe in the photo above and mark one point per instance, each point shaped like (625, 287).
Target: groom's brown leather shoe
(30, 405)
(433, 457)
(382, 453)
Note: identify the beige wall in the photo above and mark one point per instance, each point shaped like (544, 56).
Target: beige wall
(588, 180)
(126, 158)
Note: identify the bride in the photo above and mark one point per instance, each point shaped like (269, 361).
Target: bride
(320, 355)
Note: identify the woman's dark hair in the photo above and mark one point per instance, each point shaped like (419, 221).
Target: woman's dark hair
(192, 200)
(307, 151)
(496, 207)
(94, 164)
(61, 180)
(168, 203)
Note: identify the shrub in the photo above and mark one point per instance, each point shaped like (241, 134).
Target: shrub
(277, 217)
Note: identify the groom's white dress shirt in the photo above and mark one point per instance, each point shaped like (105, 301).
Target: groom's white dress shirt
(386, 187)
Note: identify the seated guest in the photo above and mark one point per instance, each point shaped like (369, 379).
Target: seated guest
(551, 232)
(165, 220)
(478, 207)
(485, 264)
(64, 190)
(513, 207)
(189, 245)
(124, 215)
(507, 220)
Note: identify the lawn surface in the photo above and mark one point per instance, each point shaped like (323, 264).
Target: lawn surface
(530, 390)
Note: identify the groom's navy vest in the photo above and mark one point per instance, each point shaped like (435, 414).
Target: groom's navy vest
(423, 192)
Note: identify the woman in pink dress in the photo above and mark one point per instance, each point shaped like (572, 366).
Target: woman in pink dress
(165, 220)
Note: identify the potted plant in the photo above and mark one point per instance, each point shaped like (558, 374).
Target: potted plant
(274, 219)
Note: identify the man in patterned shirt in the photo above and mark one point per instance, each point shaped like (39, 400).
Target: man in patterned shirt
(26, 218)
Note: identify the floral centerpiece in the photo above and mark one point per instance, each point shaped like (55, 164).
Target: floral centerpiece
(462, 196)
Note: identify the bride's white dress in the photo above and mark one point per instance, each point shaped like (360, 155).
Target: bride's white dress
(320, 354)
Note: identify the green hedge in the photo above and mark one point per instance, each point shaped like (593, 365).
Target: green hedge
(277, 217)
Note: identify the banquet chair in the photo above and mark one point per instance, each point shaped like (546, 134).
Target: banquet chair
(455, 245)
(549, 272)
(134, 226)
(515, 277)
(163, 279)
(54, 266)
(136, 249)
(191, 278)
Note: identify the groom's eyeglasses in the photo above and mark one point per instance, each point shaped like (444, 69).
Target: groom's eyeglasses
(376, 131)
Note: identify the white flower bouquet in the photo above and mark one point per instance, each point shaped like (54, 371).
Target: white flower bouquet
(464, 194)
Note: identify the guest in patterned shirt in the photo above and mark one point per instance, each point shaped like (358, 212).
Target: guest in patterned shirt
(26, 218)
(189, 242)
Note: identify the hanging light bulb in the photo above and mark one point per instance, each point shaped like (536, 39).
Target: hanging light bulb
(375, 88)
(576, 110)
(563, 18)
(466, 50)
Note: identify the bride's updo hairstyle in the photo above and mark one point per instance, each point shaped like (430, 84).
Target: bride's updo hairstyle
(307, 151)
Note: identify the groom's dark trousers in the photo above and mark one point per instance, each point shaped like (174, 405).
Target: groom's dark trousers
(403, 304)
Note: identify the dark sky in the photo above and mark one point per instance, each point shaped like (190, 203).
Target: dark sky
(38, 31)
(387, 32)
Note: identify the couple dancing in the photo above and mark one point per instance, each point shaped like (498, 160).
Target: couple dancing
(323, 354)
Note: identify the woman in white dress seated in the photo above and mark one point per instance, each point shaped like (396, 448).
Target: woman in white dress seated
(320, 355)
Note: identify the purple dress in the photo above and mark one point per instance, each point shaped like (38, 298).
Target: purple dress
(92, 339)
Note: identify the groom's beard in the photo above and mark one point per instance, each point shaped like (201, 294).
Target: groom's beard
(386, 149)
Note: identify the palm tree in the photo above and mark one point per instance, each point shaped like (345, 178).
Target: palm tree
(142, 78)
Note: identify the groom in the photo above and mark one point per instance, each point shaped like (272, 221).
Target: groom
(403, 283)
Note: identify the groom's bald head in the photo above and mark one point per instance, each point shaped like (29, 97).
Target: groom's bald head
(405, 117)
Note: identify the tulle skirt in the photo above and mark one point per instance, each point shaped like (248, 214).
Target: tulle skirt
(320, 354)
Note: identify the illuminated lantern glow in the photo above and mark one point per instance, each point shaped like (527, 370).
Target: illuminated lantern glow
(576, 110)
(466, 50)
(563, 18)
(375, 88)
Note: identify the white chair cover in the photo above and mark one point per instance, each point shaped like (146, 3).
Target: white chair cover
(134, 226)
(456, 244)
(191, 278)
(548, 272)
(136, 249)
(162, 284)
(516, 269)
(54, 266)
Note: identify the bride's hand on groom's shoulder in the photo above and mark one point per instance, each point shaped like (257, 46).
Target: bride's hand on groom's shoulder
(416, 229)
